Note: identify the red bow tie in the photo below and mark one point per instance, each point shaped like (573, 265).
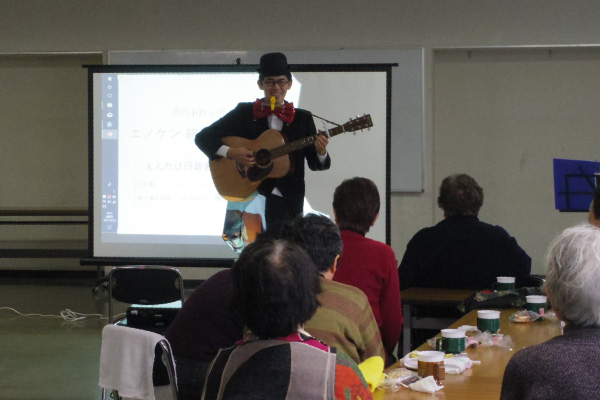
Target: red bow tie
(284, 113)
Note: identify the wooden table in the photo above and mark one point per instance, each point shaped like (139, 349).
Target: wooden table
(412, 298)
(482, 381)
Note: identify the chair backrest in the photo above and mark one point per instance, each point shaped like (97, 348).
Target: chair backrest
(127, 362)
(143, 284)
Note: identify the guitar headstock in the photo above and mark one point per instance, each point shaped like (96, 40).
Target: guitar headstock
(359, 123)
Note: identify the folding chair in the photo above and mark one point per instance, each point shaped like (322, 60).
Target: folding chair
(127, 361)
(143, 284)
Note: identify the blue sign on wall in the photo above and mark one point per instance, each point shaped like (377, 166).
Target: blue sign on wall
(574, 183)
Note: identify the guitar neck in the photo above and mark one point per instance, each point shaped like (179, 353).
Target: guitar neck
(304, 142)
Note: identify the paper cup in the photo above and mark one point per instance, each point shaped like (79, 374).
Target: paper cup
(504, 283)
(452, 341)
(488, 320)
(431, 363)
(537, 304)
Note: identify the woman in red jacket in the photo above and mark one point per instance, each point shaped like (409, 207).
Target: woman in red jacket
(365, 263)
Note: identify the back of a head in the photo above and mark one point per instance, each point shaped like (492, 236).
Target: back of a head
(573, 277)
(356, 204)
(318, 236)
(275, 287)
(460, 195)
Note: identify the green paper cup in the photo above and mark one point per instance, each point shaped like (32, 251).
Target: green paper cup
(488, 320)
(504, 283)
(537, 304)
(452, 341)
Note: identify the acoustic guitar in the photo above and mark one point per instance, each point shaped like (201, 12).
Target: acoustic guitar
(234, 182)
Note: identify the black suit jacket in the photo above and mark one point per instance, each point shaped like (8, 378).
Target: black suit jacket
(240, 122)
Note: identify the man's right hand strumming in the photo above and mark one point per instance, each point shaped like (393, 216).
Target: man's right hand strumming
(241, 155)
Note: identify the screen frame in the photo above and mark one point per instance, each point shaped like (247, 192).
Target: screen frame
(219, 262)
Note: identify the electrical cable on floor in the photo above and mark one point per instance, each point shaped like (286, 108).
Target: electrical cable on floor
(66, 315)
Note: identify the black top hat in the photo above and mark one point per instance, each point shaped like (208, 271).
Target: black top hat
(273, 64)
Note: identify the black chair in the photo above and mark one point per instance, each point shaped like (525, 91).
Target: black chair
(145, 285)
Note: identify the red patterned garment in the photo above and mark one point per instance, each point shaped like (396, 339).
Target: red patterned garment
(295, 366)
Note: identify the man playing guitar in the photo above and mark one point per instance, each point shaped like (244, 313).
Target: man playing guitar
(284, 195)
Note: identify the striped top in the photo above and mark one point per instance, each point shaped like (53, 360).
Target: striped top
(345, 321)
(287, 368)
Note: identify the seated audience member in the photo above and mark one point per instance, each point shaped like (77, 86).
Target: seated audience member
(275, 288)
(567, 366)
(345, 319)
(461, 251)
(205, 323)
(594, 215)
(365, 263)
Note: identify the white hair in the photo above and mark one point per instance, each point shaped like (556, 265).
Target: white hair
(573, 278)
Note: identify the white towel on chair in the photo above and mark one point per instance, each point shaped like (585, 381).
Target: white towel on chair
(126, 361)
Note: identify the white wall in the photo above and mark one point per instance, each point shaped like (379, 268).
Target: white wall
(85, 25)
(503, 116)
(75, 25)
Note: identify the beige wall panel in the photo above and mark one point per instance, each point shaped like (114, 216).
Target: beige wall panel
(502, 117)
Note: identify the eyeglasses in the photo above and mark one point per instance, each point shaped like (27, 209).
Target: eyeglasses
(270, 83)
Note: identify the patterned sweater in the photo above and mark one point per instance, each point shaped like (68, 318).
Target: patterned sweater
(565, 367)
(293, 367)
(345, 321)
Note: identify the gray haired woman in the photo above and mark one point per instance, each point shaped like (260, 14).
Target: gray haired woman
(567, 366)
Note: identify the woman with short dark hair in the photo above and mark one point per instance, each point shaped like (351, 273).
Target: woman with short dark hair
(366, 263)
(356, 204)
(275, 287)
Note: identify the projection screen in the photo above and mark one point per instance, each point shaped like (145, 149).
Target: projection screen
(151, 191)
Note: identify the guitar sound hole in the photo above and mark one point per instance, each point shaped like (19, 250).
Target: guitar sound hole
(263, 159)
